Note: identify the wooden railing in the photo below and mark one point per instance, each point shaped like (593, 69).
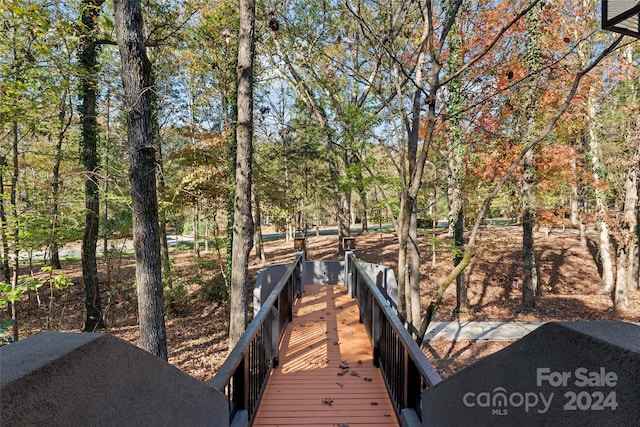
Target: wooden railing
(243, 375)
(405, 369)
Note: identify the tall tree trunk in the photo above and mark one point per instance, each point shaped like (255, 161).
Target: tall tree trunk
(164, 241)
(433, 214)
(529, 268)
(604, 240)
(365, 210)
(362, 194)
(90, 162)
(260, 254)
(533, 60)
(243, 220)
(576, 218)
(105, 189)
(341, 204)
(206, 234)
(606, 259)
(632, 199)
(627, 233)
(65, 122)
(230, 202)
(456, 220)
(403, 269)
(346, 212)
(13, 200)
(462, 301)
(157, 137)
(406, 274)
(621, 290)
(635, 256)
(4, 260)
(413, 249)
(316, 209)
(412, 179)
(136, 72)
(455, 167)
(574, 202)
(196, 227)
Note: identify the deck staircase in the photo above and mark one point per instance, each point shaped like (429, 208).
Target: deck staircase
(325, 347)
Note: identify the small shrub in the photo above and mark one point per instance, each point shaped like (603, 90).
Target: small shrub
(5, 331)
(176, 299)
(215, 290)
(55, 279)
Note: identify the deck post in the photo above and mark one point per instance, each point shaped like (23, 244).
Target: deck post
(273, 336)
(300, 274)
(376, 333)
(348, 275)
(291, 296)
(411, 383)
(239, 389)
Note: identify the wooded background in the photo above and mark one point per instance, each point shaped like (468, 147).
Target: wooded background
(401, 112)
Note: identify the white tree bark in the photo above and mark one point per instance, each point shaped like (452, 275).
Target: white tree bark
(601, 208)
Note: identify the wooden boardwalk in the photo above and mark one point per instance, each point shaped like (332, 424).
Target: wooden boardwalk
(326, 375)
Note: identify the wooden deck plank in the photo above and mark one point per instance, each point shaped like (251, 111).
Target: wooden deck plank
(326, 375)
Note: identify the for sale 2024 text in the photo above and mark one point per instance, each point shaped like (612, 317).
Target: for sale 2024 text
(589, 390)
(587, 399)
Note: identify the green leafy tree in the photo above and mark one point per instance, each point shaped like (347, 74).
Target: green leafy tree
(25, 58)
(333, 81)
(618, 179)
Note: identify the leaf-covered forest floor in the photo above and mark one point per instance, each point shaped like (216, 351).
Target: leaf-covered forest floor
(197, 321)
